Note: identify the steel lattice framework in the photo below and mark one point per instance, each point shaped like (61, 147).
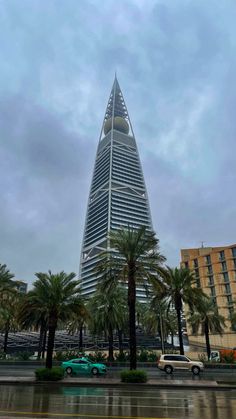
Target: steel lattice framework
(118, 195)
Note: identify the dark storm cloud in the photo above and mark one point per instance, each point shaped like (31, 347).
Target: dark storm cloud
(44, 174)
(176, 65)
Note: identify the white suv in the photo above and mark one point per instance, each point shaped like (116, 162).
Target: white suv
(171, 362)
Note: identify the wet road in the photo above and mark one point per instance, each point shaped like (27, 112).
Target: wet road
(97, 403)
(212, 374)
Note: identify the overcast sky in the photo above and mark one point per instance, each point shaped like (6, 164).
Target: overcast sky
(176, 65)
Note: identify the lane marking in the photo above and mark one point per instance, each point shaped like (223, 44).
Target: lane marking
(79, 415)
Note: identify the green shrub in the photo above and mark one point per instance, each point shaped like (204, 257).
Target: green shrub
(228, 358)
(172, 351)
(97, 356)
(152, 356)
(133, 376)
(122, 357)
(2, 355)
(67, 355)
(46, 374)
(143, 356)
(24, 355)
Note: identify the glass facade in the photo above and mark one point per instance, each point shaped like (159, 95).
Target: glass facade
(118, 195)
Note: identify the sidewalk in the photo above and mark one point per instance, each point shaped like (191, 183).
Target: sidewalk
(115, 382)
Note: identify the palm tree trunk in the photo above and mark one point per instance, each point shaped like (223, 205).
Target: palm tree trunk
(41, 337)
(110, 343)
(181, 345)
(120, 338)
(44, 342)
(52, 324)
(6, 337)
(208, 346)
(81, 337)
(132, 320)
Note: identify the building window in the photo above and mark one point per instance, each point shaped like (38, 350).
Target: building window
(209, 270)
(214, 300)
(208, 260)
(234, 263)
(198, 283)
(211, 280)
(222, 255)
(196, 272)
(224, 266)
(227, 289)
(231, 310)
(195, 263)
(213, 292)
(234, 252)
(226, 277)
(229, 299)
(186, 265)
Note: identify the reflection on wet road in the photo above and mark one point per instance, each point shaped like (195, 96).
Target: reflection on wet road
(114, 403)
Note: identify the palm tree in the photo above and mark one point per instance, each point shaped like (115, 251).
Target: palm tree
(59, 297)
(6, 276)
(134, 259)
(9, 315)
(179, 285)
(33, 315)
(206, 317)
(108, 313)
(159, 318)
(232, 319)
(77, 323)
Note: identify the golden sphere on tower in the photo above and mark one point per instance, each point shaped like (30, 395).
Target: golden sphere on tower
(119, 124)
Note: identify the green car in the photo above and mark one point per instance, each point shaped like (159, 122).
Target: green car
(83, 366)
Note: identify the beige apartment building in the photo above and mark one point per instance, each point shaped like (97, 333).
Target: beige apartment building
(215, 271)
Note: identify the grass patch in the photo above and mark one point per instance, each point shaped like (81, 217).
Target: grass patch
(133, 376)
(46, 374)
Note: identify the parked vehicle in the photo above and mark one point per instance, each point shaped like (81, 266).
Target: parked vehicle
(83, 366)
(171, 362)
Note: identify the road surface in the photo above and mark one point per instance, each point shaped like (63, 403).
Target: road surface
(208, 374)
(114, 403)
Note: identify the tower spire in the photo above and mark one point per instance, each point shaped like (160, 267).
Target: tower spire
(118, 196)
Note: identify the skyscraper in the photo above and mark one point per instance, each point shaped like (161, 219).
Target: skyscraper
(118, 195)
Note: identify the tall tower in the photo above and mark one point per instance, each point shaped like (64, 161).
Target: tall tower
(118, 195)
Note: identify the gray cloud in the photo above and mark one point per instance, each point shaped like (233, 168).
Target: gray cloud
(44, 175)
(176, 65)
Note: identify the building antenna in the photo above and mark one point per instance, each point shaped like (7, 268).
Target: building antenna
(202, 246)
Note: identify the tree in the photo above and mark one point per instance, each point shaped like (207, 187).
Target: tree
(158, 318)
(6, 282)
(133, 259)
(32, 314)
(59, 297)
(77, 323)
(206, 317)
(9, 314)
(108, 313)
(232, 319)
(8, 302)
(179, 286)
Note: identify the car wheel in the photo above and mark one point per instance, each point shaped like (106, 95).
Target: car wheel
(95, 371)
(69, 370)
(168, 369)
(195, 370)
